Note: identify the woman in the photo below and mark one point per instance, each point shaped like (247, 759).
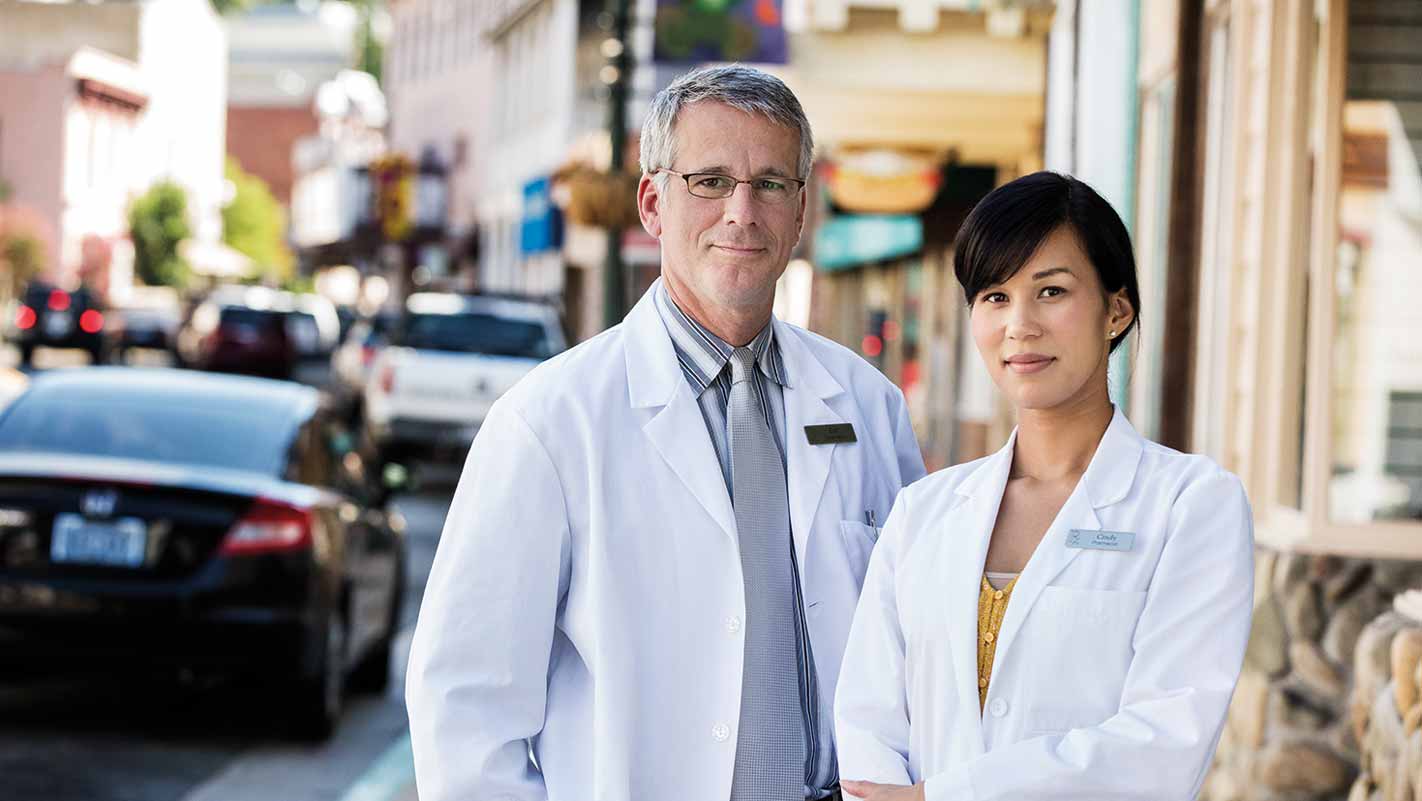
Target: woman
(1065, 619)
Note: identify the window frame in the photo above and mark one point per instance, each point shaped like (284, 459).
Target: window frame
(1310, 528)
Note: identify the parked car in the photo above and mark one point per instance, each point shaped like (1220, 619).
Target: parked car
(149, 318)
(243, 331)
(48, 316)
(351, 362)
(220, 524)
(312, 324)
(450, 357)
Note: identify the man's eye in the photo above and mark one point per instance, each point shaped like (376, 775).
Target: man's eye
(713, 182)
(771, 185)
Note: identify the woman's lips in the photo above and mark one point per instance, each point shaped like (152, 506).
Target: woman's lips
(1026, 365)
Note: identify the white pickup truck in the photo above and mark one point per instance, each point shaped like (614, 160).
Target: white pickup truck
(450, 357)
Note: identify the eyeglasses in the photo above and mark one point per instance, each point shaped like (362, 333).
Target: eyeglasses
(715, 186)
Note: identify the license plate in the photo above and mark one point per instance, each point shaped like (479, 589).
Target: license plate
(57, 324)
(119, 543)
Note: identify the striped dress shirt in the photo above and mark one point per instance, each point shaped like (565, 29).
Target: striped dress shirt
(703, 357)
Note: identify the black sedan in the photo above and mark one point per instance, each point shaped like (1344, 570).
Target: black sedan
(162, 518)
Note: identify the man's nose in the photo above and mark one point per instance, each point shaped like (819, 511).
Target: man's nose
(741, 208)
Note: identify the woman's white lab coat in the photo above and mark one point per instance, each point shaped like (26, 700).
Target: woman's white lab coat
(1115, 661)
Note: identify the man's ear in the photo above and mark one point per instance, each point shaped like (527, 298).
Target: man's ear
(649, 205)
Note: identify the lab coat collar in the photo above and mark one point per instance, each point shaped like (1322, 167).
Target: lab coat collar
(677, 430)
(1107, 480)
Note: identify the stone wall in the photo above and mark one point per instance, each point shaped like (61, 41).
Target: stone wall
(1318, 682)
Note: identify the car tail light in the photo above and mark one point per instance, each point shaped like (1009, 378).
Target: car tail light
(91, 321)
(387, 379)
(269, 527)
(367, 355)
(25, 318)
(59, 300)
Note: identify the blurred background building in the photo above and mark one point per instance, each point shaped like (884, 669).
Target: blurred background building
(97, 102)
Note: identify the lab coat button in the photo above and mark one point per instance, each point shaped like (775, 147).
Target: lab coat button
(733, 624)
(998, 708)
(720, 732)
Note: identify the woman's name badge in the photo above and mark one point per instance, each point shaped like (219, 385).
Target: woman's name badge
(1101, 540)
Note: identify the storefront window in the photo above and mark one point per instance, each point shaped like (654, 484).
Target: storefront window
(1376, 385)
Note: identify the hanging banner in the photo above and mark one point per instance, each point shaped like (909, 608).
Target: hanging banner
(541, 229)
(696, 31)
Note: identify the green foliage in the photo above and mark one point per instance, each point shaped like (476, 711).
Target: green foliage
(370, 52)
(226, 7)
(158, 221)
(21, 258)
(255, 225)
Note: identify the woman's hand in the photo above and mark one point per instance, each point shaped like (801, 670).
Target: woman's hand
(870, 791)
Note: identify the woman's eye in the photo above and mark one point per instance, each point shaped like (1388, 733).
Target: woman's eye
(994, 297)
(1052, 292)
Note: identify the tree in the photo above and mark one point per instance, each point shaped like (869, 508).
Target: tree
(158, 221)
(226, 7)
(21, 258)
(370, 51)
(255, 225)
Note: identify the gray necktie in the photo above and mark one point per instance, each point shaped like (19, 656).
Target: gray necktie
(770, 748)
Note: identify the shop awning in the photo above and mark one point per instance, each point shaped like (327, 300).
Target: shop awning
(850, 240)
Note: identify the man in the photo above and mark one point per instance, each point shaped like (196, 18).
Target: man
(648, 572)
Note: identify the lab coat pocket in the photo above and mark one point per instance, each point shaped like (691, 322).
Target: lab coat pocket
(1085, 635)
(859, 540)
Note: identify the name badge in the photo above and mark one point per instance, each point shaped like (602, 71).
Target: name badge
(830, 434)
(1101, 540)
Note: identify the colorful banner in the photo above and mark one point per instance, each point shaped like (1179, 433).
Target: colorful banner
(696, 31)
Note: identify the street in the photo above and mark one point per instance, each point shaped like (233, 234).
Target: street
(96, 737)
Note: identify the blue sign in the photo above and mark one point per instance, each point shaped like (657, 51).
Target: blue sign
(542, 227)
(858, 238)
(697, 31)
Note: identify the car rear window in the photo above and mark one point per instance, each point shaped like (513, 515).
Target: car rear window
(252, 318)
(476, 333)
(177, 432)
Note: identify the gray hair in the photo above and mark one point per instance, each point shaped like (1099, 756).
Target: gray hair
(740, 87)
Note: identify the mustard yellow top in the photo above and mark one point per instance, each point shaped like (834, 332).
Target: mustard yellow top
(992, 605)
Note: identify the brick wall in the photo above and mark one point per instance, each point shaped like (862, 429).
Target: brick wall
(261, 138)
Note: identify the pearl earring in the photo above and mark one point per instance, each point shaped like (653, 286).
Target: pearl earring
(1113, 334)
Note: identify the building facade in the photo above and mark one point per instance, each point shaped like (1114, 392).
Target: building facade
(99, 102)
(919, 109)
(279, 55)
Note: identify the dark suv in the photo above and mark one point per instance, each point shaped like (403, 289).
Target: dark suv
(52, 317)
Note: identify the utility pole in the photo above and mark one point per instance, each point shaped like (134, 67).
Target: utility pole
(616, 75)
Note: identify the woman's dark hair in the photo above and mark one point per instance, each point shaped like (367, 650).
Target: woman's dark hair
(1007, 227)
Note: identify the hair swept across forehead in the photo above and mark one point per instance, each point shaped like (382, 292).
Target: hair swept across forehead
(740, 87)
(1007, 227)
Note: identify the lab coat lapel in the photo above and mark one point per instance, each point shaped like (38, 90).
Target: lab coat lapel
(1107, 481)
(973, 518)
(807, 466)
(676, 429)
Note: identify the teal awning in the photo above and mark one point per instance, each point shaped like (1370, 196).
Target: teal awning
(850, 240)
